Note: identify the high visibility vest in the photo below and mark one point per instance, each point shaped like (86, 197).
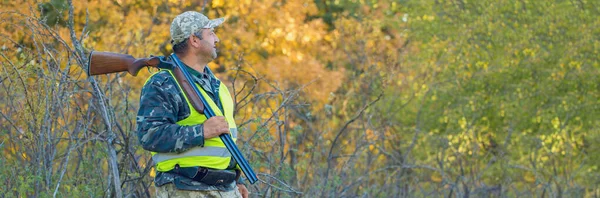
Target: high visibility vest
(214, 154)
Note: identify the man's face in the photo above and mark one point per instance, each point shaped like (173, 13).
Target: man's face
(207, 47)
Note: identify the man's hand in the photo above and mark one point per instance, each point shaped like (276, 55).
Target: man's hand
(215, 126)
(243, 190)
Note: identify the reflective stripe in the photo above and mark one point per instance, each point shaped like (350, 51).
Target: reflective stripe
(197, 151)
(233, 132)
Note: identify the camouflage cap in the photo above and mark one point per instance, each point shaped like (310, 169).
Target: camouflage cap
(190, 22)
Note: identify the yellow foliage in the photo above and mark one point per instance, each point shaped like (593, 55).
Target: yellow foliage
(529, 177)
(371, 135)
(463, 123)
(556, 123)
(436, 177)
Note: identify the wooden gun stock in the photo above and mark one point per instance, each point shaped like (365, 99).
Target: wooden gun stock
(108, 62)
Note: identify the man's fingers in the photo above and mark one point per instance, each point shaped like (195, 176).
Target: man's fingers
(215, 126)
(224, 130)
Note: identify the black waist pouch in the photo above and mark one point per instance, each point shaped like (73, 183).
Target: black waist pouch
(215, 177)
(206, 175)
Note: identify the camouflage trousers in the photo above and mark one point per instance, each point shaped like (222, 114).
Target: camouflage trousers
(169, 190)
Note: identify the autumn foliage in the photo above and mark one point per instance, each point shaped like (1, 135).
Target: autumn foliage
(334, 98)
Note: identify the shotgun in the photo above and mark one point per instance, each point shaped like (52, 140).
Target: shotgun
(108, 62)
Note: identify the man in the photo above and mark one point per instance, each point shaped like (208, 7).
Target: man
(191, 160)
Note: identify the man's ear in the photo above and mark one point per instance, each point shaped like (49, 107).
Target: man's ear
(195, 41)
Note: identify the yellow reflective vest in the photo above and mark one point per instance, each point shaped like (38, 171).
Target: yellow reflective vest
(213, 154)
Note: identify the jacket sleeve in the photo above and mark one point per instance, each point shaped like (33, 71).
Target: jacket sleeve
(160, 103)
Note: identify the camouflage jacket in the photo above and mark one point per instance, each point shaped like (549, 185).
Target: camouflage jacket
(162, 105)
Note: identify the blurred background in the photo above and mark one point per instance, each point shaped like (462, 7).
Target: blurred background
(334, 98)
